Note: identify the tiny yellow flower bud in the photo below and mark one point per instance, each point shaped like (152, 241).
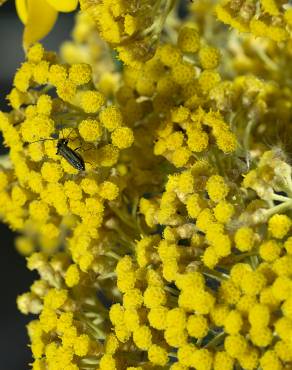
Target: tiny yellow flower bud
(244, 239)
(111, 117)
(80, 74)
(90, 130)
(72, 276)
(142, 337)
(157, 355)
(188, 40)
(122, 137)
(279, 225)
(217, 188)
(209, 57)
(91, 101)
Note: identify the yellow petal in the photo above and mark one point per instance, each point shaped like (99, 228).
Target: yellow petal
(64, 5)
(40, 21)
(22, 11)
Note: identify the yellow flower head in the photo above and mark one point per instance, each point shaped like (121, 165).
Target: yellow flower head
(217, 188)
(279, 225)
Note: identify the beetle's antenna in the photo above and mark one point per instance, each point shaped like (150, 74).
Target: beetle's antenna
(37, 141)
(68, 137)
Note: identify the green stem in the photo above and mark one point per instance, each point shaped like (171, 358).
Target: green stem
(125, 219)
(214, 274)
(85, 365)
(171, 290)
(95, 331)
(107, 276)
(89, 361)
(280, 198)
(289, 185)
(278, 209)
(113, 255)
(263, 56)
(125, 239)
(168, 7)
(244, 255)
(129, 242)
(254, 261)
(47, 88)
(199, 342)
(246, 139)
(156, 28)
(216, 340)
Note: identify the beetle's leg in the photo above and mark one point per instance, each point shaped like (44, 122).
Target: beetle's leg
(75, 138)
(92, 147)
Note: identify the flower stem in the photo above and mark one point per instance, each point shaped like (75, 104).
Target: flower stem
(216, 340)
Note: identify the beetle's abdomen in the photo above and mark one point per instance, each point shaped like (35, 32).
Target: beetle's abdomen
(71, 157)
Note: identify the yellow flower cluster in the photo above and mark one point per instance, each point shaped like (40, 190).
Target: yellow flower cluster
(263, 18)
(49, 193)
(186, 127)
(87, 47)
(145, 312)
(238, 315)
(249, 294)
(62, 337)
(153, 194)
(184, 198)
(132, 28)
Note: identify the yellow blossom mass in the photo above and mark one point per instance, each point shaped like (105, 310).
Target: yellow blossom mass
(148, 177)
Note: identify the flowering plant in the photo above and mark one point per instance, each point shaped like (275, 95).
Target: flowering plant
(149, 179)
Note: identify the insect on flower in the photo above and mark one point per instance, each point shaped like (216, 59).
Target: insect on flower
(70, 155)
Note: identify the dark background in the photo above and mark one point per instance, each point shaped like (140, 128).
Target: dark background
(14, 277)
